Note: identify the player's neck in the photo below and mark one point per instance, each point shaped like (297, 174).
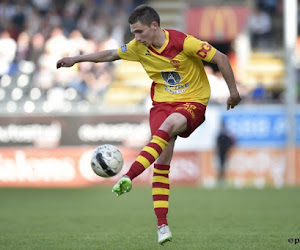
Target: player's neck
(160, 39)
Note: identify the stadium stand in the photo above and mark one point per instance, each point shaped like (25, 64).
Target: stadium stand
(34, 34)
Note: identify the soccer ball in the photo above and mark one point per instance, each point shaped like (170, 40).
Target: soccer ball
(107, 160)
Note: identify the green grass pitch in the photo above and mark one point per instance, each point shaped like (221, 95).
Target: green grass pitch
(94, 218)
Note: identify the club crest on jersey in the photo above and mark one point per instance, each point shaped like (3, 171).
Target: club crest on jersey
(171, 77)
(175, 63)
(188, 107)
(123, 48)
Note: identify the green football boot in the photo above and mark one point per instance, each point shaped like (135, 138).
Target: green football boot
(123, 185)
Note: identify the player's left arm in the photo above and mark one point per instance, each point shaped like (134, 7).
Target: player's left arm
(225, 68)
(206, 52)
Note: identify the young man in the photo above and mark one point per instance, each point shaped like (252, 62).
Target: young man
(180, 92)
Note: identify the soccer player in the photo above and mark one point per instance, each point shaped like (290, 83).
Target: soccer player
(180, 92)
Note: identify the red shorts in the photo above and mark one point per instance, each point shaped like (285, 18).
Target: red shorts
(194, 113)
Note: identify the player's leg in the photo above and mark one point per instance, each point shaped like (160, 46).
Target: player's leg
(195, 115)
(174, 124)
(161, 185)
(161, 191)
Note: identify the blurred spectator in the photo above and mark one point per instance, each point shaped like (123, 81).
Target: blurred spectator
(128, 5)
(19, 18)
(119, 26)
(23, 44)
(33, 22)
(268, 6)
(259, 94)
(98, 30)
(69, 19)
(7, 11)
(85, 68)
(260, 26)
(109, 43)
(36, 48)
(108, 7)
(97, 82)
(224, 143)
(8, 49)
(53, 18)
(57, 44)
(42, 5)
(83, 22)
(76, 43)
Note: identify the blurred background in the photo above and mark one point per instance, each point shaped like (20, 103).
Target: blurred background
(51, 120)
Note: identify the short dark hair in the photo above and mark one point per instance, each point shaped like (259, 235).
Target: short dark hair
(144, 14)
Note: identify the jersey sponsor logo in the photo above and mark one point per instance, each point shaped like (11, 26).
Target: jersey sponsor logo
(124, 48)
(188, 107)
(171, 77)
(205, 48)
(172, 81)
(175, 63)
(177, 89)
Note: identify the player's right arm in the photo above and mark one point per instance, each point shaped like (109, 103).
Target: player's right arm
(101, 56)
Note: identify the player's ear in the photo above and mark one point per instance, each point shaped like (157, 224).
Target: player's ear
(154, 25)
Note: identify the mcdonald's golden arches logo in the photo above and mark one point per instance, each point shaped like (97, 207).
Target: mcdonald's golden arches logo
(218, 23)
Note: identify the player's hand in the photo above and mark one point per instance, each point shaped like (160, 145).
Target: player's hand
(233, 100)
(65, 62)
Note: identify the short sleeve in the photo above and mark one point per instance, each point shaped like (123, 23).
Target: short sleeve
(197, 48)
(129, 51)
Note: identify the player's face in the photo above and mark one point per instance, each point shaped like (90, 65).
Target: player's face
(143, 33)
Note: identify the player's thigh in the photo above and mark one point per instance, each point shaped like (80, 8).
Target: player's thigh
(195, 115)
(174, 124)
(157, 116)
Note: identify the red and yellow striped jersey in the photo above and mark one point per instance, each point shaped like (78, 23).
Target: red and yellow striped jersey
(176, 68)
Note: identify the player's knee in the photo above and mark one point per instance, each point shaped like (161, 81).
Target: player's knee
(174, 124)
(167, 126)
